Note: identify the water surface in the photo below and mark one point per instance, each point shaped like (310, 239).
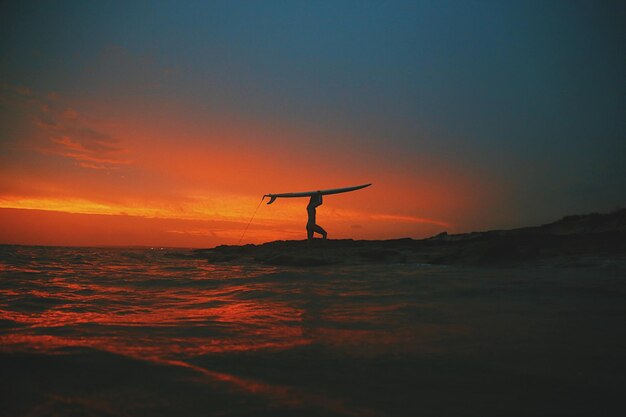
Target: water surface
(92, 331)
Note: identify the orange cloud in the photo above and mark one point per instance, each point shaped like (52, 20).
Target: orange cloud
(102, 155)
(72, 136)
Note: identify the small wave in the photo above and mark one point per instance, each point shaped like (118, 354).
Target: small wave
(32, 304)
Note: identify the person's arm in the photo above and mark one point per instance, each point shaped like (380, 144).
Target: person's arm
(318, 201)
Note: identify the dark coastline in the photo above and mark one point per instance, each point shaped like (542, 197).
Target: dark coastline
(572, 241)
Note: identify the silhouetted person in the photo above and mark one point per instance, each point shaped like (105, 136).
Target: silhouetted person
(311, 227)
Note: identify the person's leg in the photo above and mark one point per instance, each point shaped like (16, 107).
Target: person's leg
(309, 232)
(321, 231)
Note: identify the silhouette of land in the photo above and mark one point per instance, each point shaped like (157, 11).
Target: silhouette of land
(577, 240)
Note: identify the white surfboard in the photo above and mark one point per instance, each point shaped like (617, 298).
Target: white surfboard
(273, 197)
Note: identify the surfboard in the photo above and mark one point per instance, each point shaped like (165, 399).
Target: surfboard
(273, 197)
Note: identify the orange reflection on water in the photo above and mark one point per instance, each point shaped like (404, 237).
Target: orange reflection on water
(287, 396)
(188, 307)
(171, 324)
(142, 303)
(174, 309)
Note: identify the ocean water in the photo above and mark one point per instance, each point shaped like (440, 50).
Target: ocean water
(143, 332)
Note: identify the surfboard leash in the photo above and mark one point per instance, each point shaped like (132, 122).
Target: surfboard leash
(248, 225)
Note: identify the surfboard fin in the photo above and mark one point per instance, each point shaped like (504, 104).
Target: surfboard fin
(272, 199)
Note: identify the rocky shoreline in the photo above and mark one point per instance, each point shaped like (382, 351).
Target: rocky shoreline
(574, 240)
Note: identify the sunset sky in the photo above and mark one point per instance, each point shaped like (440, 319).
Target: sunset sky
(163, 123)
